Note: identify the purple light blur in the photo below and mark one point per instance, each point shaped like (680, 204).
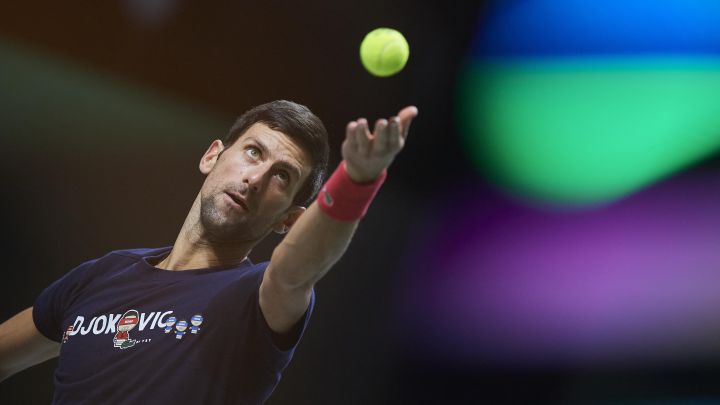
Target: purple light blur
(636, 281)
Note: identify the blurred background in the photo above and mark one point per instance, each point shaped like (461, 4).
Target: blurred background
(550, 234)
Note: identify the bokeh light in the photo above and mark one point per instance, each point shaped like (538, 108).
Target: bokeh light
(633, 283)
(582, 103)
(54, 103)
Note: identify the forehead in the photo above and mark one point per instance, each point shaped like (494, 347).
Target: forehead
(279, 145)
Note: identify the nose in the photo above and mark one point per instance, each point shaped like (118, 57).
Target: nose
(255, 176)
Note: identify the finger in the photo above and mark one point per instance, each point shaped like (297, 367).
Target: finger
(361, 137)
(381, 135)
(394, 134)
(406, 116)
(366, 129)
(350, 135)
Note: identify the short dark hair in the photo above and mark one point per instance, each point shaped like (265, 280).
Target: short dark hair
(302, 126)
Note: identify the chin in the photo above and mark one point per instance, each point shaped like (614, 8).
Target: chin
(220, 226)
(219, 223)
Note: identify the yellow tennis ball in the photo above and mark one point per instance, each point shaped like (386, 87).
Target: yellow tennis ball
(384, 52)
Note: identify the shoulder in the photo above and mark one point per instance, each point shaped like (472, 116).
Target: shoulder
(130, 256)
(258, 270)
(117, 259)
(243, 281)
(136, 253)
(259, 267)
(250, 273)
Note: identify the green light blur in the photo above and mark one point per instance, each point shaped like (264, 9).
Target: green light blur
(52, 103)
(589, 131)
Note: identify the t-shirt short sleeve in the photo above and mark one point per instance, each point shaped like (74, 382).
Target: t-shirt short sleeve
(278, 347)
(50, 306)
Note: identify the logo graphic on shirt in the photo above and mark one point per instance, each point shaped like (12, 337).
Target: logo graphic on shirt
(181, 327)
(67, 334)
(133, 321)
(169, 324)
(196, 320)
(128, 321)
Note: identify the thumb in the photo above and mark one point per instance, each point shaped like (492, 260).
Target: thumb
(406, 116)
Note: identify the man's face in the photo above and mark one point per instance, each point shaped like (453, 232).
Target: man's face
(250, 186)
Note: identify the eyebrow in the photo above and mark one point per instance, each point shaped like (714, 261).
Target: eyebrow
(283, 163)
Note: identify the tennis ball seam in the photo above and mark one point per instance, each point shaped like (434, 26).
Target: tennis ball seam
(381, 54)
(384, 52)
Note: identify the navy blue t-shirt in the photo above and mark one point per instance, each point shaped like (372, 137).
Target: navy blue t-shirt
(133, 333)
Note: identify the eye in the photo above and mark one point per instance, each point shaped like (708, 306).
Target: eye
(253, 152)
(283, 175)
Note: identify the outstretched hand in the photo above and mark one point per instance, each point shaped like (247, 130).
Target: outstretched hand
(367, 154)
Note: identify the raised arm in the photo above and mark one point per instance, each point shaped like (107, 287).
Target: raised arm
(317, 240)
(22, 345)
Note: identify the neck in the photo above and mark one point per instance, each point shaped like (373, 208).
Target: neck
(192, 249)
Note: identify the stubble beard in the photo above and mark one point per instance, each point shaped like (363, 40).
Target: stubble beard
(216, 224)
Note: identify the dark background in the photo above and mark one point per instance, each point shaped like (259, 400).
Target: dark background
(69, 197)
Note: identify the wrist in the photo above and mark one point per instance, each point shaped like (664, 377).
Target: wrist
(344, 199)
(357, 177)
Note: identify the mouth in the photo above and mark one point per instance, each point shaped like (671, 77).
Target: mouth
(237, 200)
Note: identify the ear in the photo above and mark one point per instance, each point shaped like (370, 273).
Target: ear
(207, 162)
(292, 215)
